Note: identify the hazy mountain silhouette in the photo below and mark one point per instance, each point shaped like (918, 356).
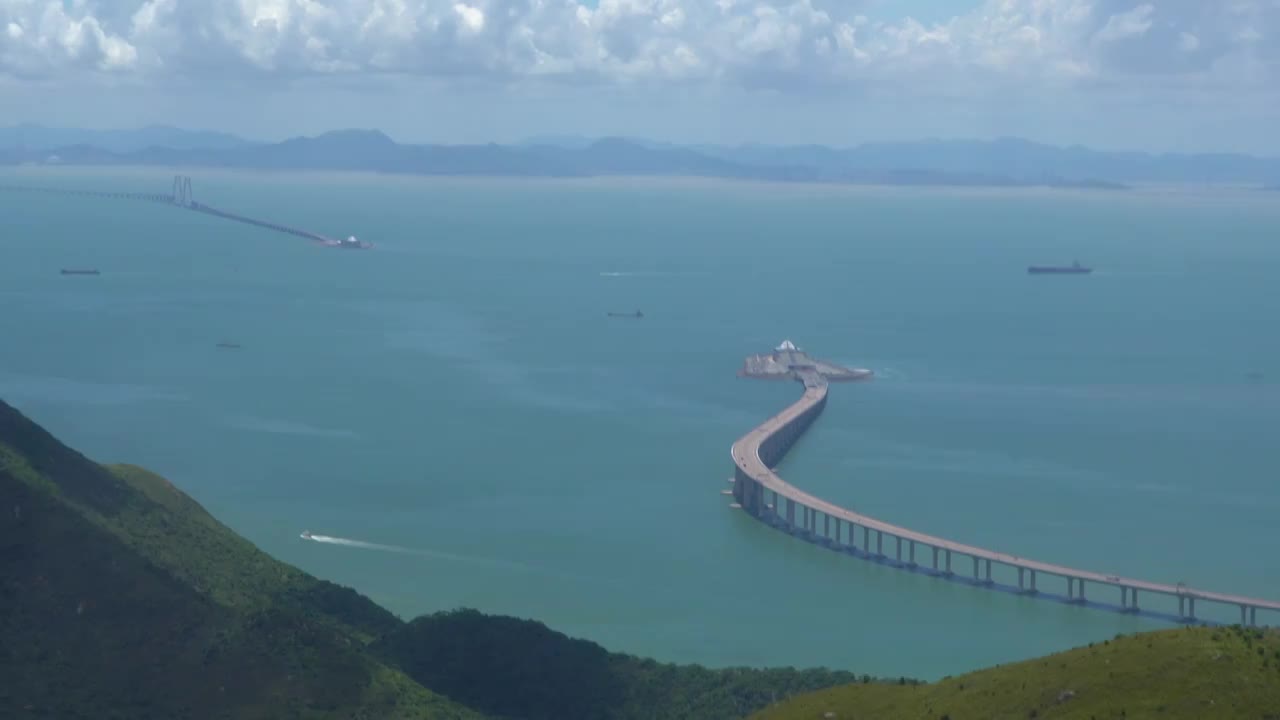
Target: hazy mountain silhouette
(1004, 162)
(1019, 159)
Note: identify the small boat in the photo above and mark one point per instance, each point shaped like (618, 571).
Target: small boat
(306, 535)
(1074, 268)
(75, 271)
(637, 315)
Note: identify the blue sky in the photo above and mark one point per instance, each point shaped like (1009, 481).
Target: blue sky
(1154, 75)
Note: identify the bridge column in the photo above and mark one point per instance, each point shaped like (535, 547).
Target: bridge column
(1082, 598)
(1033, 581)
(1133, 599)
(935, 557)
(913, 553)
(826, 526)
(791, 513)
(1021, 573)
(899, 539)
(975, 569)
(948, 562)
(866, 539)
(1071, 584)
(989, 572)
(1253, 616)
(1124, 598)
(880, 543)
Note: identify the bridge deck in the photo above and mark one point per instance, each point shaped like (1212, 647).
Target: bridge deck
(746, 455)
(181, 198)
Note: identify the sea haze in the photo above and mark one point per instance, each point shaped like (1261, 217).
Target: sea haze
(456, 407)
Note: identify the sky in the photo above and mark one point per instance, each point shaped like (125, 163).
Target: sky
(1159, 75)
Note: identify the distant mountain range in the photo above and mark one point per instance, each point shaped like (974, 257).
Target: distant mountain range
(1006, 162)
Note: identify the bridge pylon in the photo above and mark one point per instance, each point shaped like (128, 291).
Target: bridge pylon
(182, 193)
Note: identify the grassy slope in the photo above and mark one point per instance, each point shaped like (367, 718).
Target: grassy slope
(121, 597)
(517, 668)
(1190, 673)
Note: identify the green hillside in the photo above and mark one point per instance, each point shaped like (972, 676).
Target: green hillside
(1192, 673)
(120, 597)
(516, 668)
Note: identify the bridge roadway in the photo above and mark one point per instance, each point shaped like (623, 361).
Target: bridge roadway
(754, 477)
(181, 197)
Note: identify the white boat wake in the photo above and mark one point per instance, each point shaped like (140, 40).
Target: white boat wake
(434, 554)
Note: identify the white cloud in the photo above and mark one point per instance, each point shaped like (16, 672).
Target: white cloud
(1127, 24)
(786, 44)
(472, 18)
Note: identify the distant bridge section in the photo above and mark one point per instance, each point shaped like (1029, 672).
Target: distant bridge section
(183, 196)
(765, 496)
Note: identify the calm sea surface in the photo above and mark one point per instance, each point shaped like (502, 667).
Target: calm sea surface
(458, 393)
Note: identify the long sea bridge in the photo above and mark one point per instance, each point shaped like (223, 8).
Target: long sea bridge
(182, 196)
(764, 495)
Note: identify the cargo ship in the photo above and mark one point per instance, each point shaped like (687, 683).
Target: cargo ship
(637, 315)
(74, 271)
(1074, 268)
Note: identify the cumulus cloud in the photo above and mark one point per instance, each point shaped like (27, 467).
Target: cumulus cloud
(784, 44)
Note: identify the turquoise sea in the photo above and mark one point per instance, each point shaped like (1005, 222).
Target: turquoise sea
(458, 396)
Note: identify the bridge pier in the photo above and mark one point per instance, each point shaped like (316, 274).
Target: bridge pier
(880, 543)
(935, 557)
(1186, 607)
(1253, 616)
(948, 562)
(975, 569)
(912, 560)
(989, 580)
(866, 539)
(826, 526)
(899, 555)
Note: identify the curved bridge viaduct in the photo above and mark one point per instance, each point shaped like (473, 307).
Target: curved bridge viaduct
(767, 497)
